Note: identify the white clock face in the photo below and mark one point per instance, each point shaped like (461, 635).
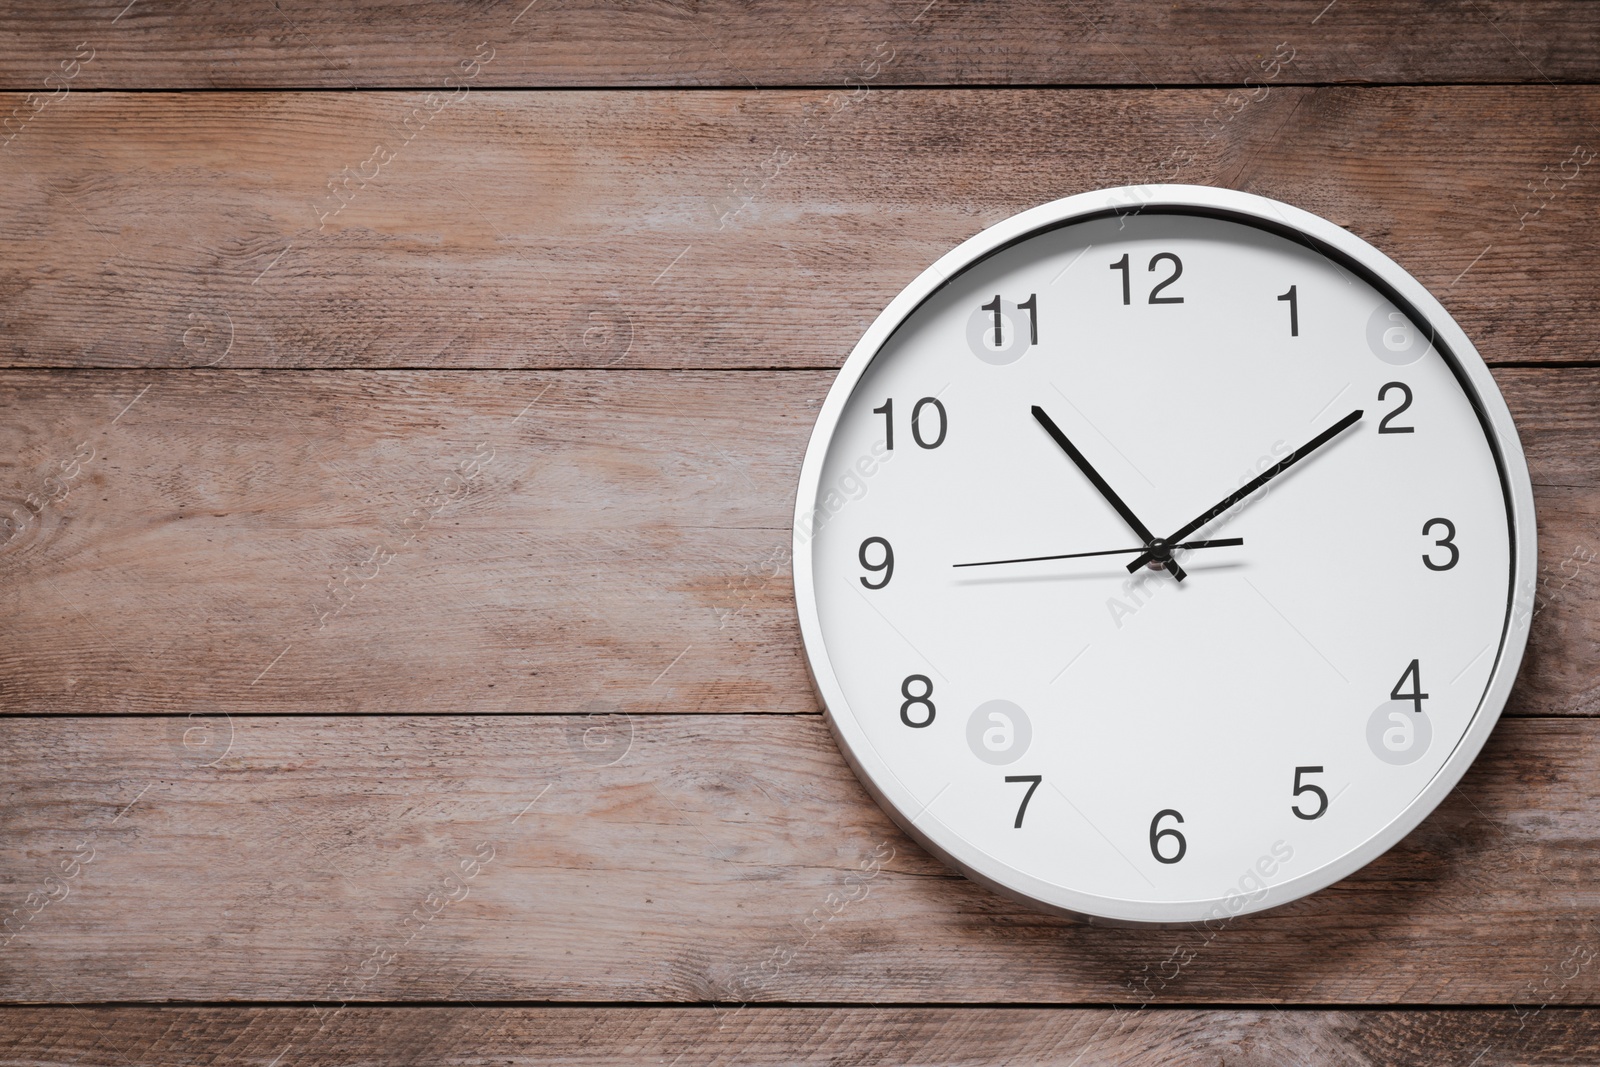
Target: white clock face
(1222, 732)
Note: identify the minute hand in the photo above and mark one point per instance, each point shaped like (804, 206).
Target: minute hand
(1257, 482)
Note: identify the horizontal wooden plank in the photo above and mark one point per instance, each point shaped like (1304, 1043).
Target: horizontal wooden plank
(729, 229)
(90, 1037)
(299, 43)
(695, 858)
(495, 542)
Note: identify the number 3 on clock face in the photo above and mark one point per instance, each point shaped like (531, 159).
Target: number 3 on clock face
(1163, 566)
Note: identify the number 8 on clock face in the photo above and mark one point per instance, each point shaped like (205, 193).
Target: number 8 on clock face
(1164, 565)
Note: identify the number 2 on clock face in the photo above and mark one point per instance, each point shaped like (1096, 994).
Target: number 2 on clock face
(1194, 579)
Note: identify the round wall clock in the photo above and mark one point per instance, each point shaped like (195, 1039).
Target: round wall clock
(1163, 555)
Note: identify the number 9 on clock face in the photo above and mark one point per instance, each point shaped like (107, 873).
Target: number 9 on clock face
(1163, 565)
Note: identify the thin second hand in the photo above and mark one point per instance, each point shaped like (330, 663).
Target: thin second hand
(1220, 542)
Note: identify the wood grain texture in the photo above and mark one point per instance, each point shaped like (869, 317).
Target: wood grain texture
(300, 43)
(695, 859)
(726, 229)
(313, 664)
(581, 1037)
(297, 542)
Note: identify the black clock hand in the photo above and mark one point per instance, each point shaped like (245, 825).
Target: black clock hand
(1221, 542)
(1257, 482)
(1106, 491)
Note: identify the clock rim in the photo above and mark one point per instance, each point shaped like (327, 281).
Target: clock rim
(1325, 238)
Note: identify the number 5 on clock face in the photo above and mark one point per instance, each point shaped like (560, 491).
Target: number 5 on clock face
(1183, 580)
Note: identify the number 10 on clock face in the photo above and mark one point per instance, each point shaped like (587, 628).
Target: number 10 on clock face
(1156, 566)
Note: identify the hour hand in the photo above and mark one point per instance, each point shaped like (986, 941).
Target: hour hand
(1102, 485)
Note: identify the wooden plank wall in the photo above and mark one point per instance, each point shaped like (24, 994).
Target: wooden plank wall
(402, 411)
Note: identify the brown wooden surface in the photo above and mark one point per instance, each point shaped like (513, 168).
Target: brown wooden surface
(725, 229)
(296, 43)
(697, 858)
(623, 545)
(465, 555)
(936, 1037)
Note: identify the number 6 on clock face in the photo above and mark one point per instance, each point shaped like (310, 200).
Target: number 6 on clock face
(1135, 625)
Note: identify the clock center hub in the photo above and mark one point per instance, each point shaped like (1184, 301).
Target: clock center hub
(1160, 554)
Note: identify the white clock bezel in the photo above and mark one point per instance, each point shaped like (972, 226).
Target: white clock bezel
(1326, 238)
